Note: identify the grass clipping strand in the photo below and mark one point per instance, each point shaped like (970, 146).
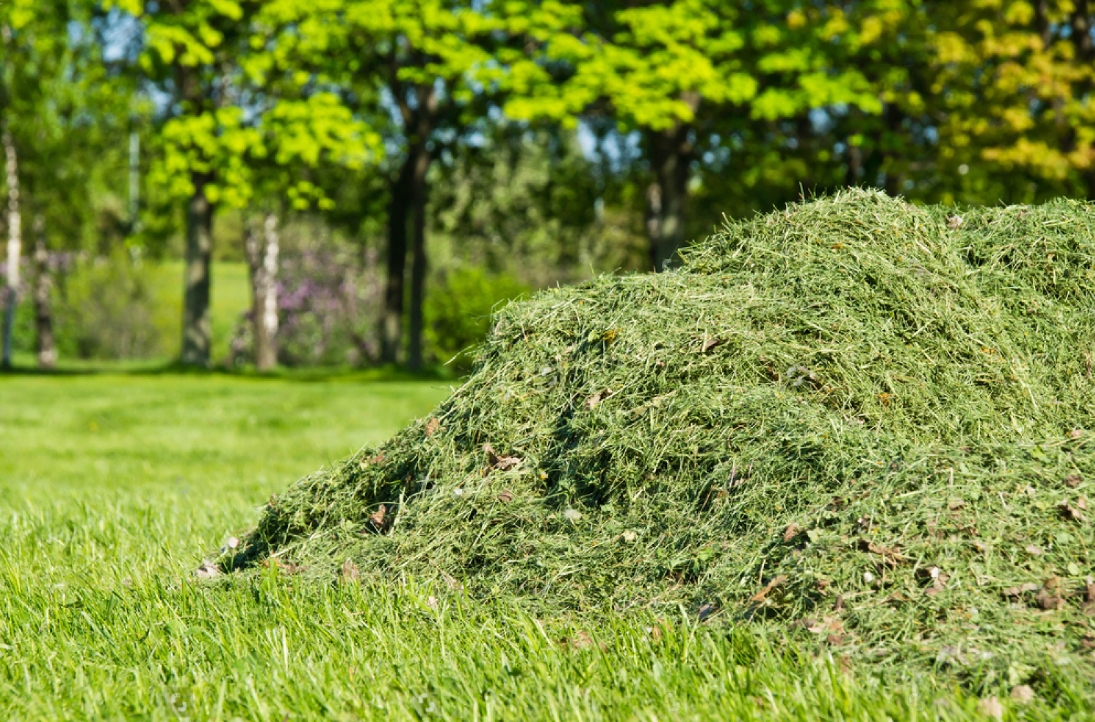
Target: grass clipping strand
(859, 420)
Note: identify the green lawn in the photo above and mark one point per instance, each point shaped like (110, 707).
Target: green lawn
(114, 487)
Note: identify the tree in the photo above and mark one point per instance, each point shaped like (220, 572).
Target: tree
(33, 50)
(1020, 90)
(187, 52)
(405, 67)
(239, 125)
(678, 74)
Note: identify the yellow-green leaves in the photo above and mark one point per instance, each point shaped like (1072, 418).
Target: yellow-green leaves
(1019, 78)
(242, 121)
(654, 64)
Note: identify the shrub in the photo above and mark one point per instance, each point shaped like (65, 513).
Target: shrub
(107, 309)
(328, 298)
(458, 312)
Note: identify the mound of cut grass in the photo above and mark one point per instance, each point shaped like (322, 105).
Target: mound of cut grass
(859, 421)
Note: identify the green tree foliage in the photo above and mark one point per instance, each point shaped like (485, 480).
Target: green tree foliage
(238, 125)
(59, 114)
(407, 66)
(681, 73)
(393, 118)
(1019, 78)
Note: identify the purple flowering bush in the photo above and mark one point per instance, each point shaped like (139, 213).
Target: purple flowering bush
(328, 301)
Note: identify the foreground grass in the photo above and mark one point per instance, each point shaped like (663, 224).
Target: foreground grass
(114, 487)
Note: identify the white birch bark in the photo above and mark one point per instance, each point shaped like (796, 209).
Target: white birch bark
(15, 242)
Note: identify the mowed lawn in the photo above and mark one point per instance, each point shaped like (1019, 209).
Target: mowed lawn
(114, 488)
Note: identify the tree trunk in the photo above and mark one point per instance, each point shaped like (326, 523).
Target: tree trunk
(667, 198)
(391, 325)
(262, 257)
(419, 199)
(15, 244)
(197, 334)
(45, 345)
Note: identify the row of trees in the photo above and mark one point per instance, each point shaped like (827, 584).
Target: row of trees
(356, 109)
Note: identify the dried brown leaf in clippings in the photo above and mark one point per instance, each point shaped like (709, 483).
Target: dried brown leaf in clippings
(1014, 593)
(934, 577)
(378, 459)
(432, 603)
(956, 504)
(791, 532)
(1076, 433)
(1081, 503)
(709, 344)
(284, 567)
(432, 426)
(598, 397)
(506, 496)
(377, 518)
(350, 572)
(891, 556)
(1022, 693)
(763, 593)
(208, 570)
(827, 625)
(1073, 480)
(507, 462)
(1034, 550)
(1070, 512)
(497, 461)
(991, 707)
(1049, 597)
(581, 640)
(452, 582)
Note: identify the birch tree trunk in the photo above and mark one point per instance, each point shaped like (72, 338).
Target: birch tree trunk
(262, 257)
(45, 344)
(15, 244)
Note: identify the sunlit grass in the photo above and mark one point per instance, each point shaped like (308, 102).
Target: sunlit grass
(114, 487)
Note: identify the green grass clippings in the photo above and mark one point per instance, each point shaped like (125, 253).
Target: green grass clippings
(862, 423)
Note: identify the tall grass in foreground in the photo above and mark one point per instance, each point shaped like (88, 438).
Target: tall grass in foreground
(111, 488)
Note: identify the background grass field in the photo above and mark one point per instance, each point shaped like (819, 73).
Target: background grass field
(114, 487)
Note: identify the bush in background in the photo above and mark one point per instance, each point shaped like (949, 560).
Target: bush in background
(328, 297)
(107, 308)
(458, 312)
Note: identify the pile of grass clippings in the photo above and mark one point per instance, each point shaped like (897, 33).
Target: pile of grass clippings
(864, 422)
